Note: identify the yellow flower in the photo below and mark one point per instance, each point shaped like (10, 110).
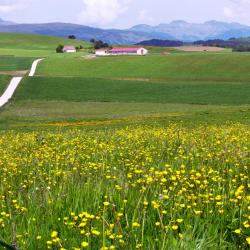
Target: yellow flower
(95, 232)
(135, 224)
(82, 224)
(139, 246)
(197, 212)
(49, 242)
(237, 231)
(54, 234)
(248, 240)
(39, 237)
(106, 203)
(85, 244)
(175, 227)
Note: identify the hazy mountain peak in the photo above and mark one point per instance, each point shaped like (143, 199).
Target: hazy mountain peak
(3, 22)
(178, 22)
(186, 31)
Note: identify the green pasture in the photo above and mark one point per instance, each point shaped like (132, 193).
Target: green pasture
(11, 63)
(43, 100)
(4, 81)
(37, 114)
(180, 66)
(105, 90)
(35, 42)
(25, 45)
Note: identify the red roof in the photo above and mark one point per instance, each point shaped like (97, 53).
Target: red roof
(69, 47)
(120, 50)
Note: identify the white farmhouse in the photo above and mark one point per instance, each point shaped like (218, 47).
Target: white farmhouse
(69, 49)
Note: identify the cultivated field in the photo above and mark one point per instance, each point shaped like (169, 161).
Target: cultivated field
(124, 152)
(11, 63)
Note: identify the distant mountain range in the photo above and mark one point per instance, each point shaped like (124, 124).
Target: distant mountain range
(185, 31)
(176, 30)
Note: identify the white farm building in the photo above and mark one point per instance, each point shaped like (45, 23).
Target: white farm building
(101, 52)
(123, 51)
(69, 49)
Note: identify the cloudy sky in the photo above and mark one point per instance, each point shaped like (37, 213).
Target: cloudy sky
(124, 13)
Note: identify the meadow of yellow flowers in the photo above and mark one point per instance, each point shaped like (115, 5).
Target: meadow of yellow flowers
(128, 188)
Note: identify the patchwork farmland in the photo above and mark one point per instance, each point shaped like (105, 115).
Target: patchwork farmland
(124, 152)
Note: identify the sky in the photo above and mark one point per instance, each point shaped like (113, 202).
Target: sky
(124, 13)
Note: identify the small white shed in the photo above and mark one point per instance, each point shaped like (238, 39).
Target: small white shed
(69, 49)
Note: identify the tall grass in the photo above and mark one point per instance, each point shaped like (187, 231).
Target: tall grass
(132, 188)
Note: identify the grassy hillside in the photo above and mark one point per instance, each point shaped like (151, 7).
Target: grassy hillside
(25, 45)
(211, 67)
(34, 42)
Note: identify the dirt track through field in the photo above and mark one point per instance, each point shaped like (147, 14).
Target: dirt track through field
(14, 83)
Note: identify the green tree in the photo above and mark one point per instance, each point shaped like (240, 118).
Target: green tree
(59, 49)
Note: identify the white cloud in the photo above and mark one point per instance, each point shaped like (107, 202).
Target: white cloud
(240, 1)
(102, 12)
(144, 15)
(7, 6)
(237, 10)
(228, 12)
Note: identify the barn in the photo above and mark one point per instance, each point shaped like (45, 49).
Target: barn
(123, 51)
(128, 51)
(69, 49)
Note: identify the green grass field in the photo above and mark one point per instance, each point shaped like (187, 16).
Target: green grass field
(86, 89)
(11, 63)
(24, 45)
(182, 66)
(4, 81)
(34, 42)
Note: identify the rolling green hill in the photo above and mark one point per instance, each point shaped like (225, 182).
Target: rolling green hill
(35, 42)
(25, 45)
(214, 67)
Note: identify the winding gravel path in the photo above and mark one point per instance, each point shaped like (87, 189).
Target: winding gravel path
(15, 81)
